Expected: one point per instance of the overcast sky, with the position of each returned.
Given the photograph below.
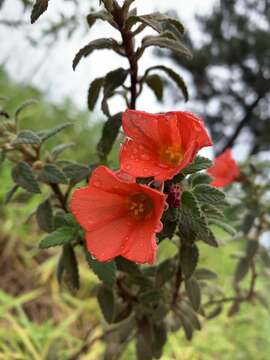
(51, 70)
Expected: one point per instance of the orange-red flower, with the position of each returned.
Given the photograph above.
(119, 217)
(161, 145)
(225, 170)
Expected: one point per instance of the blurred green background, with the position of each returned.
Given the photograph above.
(40, 321)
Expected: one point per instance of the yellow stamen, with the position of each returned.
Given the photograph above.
(171, 155)
(139, 206)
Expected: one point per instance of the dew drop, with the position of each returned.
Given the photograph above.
(97, 183)
(145, 157)
(127, 167)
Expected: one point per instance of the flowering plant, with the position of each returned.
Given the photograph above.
(162, 197)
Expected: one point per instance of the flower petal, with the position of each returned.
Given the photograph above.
(107, 241)
(93, 207)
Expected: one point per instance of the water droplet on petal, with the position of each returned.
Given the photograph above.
(127, 167)
(145, 157)
(97, 183)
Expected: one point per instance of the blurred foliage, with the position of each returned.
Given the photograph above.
(230, 72)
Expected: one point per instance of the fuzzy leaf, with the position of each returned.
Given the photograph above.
(61, 236)
(163, 42)
(93, 92)
(98, 44)
(208, 194)
(106, 272)
(27, 137)
(44, 216)
(77, 172)
(50, 133)
(194, 293)
(109, 135)
(23, 176)
(179, 81)
(189, 256)
(155, 83)
(39, 8)
(50, 173)
(106, 302)
(198, 164)
(67, 270)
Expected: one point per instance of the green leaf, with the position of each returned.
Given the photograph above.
(159, 338)
(112, 81)
(199, 178)
(100, 15)
(27, 137)
(208, 194)
(109, 134)
(50, 133)
(179, 81)
(67, 270)
(98, 44)
(105, 271)
(198, 164)
(193, 292)
(241, 269)
(189, 257)
(39, 8)
(205, 274)
(127, 266)
(224, 226)
(61, 236)
(157, 21)
(106, 302)
(77, 172)
(44, 216)
(59, 149)
(93, 92)
(252, 248)
(50, 173)
(163, 42)
(144, 340)
(9, 194)
(23, 176)
(189, 203)
(155, 83)
(186, 324)
(165, 272)
(150, 296)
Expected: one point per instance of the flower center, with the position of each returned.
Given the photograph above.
(140, 206)
(171, 155)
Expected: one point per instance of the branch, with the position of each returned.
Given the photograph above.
(230, 142)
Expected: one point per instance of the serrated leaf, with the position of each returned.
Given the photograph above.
(23, 176)
(27, 137)
(193, 292)
(190, 314)
(208, 194)
(51, 174)
(198, 164)
(189, 203)
(106, 272)
(44, 216)
(179, 81)
(106, 302)
(163, 42)
(93, 92)
(39, 8)
(165, 272)
(77, 172)
(155, 83)
(98, 44)
(224, 226)
(189, 257)
(186, 324)
(67, 269)
(23, 106)
(199, 178)
(50, 133)
(109, 134)
(127, 266)
(61, 236)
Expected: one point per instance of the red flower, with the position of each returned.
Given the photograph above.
(161, 145)
(119, 217)
(225, 170)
